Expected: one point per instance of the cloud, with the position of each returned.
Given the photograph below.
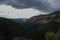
(10, 12)
(41, 5)
(54, 4)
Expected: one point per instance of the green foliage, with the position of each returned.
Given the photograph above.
(21, 38)
(53, 36)
(49, 35)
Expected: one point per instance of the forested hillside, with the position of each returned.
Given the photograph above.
(41, 27)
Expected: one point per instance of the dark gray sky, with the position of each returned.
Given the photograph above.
(41, 5)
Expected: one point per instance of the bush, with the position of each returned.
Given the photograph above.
(52, 36)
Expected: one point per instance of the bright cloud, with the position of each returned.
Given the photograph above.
(10, 12)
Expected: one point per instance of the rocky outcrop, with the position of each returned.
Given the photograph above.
(44, 19)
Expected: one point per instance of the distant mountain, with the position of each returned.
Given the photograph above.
(21, 20)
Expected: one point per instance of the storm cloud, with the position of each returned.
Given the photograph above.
(41, 5)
